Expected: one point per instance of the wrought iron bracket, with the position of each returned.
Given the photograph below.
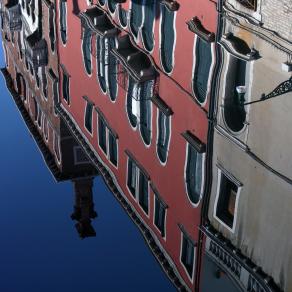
(283, 88)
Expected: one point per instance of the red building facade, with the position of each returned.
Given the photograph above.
(137, 95)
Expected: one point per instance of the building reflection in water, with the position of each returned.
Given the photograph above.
(167, 102)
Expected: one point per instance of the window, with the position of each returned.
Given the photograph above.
(57, 146)
(136, 17)
(159, 215)
(132, 102)
(123, 16)
(132, 177)
(52, 32)
(107, 139)
(79, 156)
(148, 25)
(187, 254)
(226, 199)
(102, 134)
(44, 82)
(143, 192)
(21, 85)
(86, 49)
(146, 90)
(46, 128)
(137, 183)
(234, 113)
(112, 70)
(167, 38)
(88, 116)
(63, 21)
(113, 151)
(39, 117)
(112, 5)
(163, 130)
(66, 86)
(100, 62)
(203, 61)
(194, 173)
(250, 4)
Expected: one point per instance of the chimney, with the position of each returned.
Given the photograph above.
(84, 207)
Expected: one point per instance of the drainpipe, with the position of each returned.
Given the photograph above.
(209, 151)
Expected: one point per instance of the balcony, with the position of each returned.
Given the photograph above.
(196, 27)
(137, 63)
(36, 50)
(238, 47)
(13, 15)
(96, 20)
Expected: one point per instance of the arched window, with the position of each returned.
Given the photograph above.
(100, 62)
(86, 50)
(194, 171)
(146, 111)
(52, 33)
(167, 41)
(63, 21)
(203, 61)
(163, 136)
(112, 70)
(234, 113)
(136, 17)
(132, 102)
(148, 25)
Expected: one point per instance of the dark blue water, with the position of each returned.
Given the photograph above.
(40, 250)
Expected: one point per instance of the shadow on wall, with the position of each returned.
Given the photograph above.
(214, 278)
